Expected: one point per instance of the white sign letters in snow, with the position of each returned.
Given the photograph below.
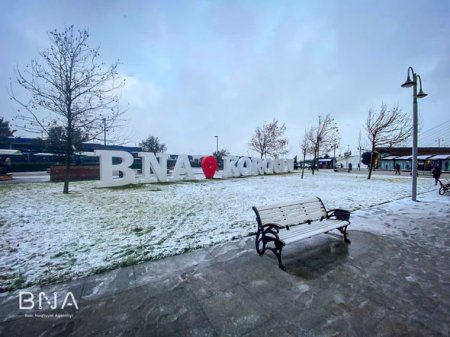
(245, 166)
(154, 167)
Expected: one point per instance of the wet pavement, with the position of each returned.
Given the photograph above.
(383, 284)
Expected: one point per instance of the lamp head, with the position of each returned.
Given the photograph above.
(408, 83)
(421, 94)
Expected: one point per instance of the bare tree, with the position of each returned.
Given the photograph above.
(269, 140)
(386, 128)
(323, 137)
(68, 87)
(305, 147)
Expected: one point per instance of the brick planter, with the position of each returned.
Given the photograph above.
(77, 173)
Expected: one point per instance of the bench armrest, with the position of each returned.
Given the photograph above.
(339, 214)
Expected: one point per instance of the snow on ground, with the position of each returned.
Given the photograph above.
(46, 236)
(406, 219)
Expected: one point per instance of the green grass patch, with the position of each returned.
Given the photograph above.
(126, 187)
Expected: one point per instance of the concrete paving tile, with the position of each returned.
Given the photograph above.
(204, 329)
(154, 271)
(36, 327)
(207, 281)
(303, 321)
(233, 312)
(402, 325)
(364, 315)
(269, 328)
(251, 266)
(108, 283)
(176, 316)
(436, 320)
(293, 296)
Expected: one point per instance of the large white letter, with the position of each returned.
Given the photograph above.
(257, 166)
(289, 165)
(107, 168)
(151, 168)
(229, 167)
(183, 166)
(278, 165)
(268, 166)
(245, 166)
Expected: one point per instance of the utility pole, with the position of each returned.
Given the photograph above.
(360, 149)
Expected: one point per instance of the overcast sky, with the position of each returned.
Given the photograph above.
(197, 69)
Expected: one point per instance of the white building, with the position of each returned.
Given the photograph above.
(346, 160)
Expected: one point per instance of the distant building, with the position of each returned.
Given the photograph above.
(33, 154)
(427, 158)
(346, 160)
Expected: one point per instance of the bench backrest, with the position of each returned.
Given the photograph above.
(291, 213)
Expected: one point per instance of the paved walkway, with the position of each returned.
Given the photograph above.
(391, 282)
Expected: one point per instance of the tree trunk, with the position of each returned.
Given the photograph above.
(372, 155)
(66, 174)
(303, 166)
(68, 153)
(314, 161)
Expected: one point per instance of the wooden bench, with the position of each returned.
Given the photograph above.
(281, 224)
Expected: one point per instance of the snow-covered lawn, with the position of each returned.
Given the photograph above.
(46, 236)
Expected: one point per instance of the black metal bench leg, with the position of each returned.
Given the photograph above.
(343, 230)
(278, 248)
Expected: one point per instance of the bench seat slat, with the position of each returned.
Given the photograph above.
(304, 231)
(293, 203)
(291, 218)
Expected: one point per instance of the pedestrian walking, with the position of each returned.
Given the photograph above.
(436, 171)
(8, 164)
(397, 169)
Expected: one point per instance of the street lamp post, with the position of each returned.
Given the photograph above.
(217, 145)
(360, 149)
(413, 83)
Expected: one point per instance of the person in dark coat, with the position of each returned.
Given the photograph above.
(436, 171)
(397, 169)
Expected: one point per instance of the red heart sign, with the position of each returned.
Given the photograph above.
(209, 166)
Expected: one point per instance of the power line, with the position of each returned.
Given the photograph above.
(438, 136)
